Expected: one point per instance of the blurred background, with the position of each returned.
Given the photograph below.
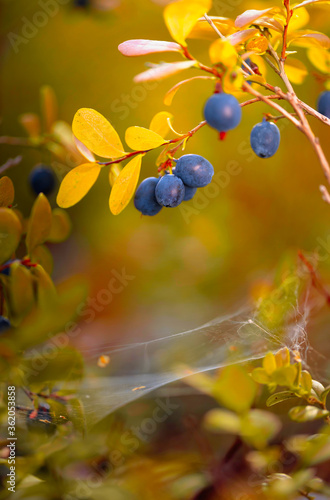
(185, 266)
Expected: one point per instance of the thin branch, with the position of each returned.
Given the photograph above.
(10, 163)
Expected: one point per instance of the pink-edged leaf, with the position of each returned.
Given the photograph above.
(308, 2)
(308, 39)
(84, 151)
(171, 93)
(160, 71)
(249, 16)
(134, 48)
(242, 36)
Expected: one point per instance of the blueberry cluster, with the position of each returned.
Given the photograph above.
(42, 180)
(323, 103)
(191, 172)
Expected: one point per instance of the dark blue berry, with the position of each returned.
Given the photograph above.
(6, 270)
(81, 3)
(189, 192)
(194, 170)
(265, 139)
(4, 324)
(222, 112)
(170, 191)
(145, 199)
(323, 103)
(42, 180)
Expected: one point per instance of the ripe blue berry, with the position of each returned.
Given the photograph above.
(6, 270)
(189, 192)
(194, 170)
(323, 103)
(4, 324)
(170, 191)
(42, 180)
(145, 199)
(222, 112)
(265, 139)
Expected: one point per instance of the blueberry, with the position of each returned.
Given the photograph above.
(323, 103)
(42, 180)
(81, 3)
(6, 270)
(145, 199)
(194, 170)
(265, 139)
(189, 192)
(40, 420)
(170, 191)
(222, 112)
(4, 324)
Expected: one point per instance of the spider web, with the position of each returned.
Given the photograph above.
(137, 369)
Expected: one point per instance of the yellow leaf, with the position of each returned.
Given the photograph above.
(10, 233)
(61, 226)
(327, 84)
(97, 134)
(159, 124)
(125, 185)
(320, 58)
(77, 183)
(299, 19)
(202, 30)
(113, 174)
(171, 93)
(241, 36)
(84, 151)
(39, 223)
(31, 123)
(295, 70)
(41, 255)
(222, 51)
(269, 363)
(233, 81)
(48, 107)
(181, 17)
(21, 290)
(142, 139)
(251, 16)
(308, 38)
(7, 192)
(257, 44)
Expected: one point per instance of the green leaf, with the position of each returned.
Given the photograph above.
(97, 134)
(7, 192)
(77, 183)
(307, 413)
(279, 397)
(306, 381)
(259, 427)
(10, 233)
(61, 226)
(222, 421)
(46, 291)
(39, 223)
(21, 290)
(260, 376)
(325, 394)
(125, 185)
(42, 255)
(235, 389)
